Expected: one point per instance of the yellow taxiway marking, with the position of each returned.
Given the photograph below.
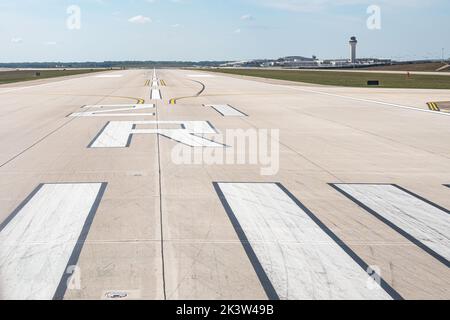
(174, 100)
(433, 106)
(147, 83)
(162, 82)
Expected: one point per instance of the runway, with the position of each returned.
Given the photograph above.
(127, 185)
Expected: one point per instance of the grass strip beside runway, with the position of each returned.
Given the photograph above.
(28, 75)
(346, 79)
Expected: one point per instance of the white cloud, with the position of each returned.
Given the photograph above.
(16, 40)
(247, 17)
(140, 19)
(319, 5)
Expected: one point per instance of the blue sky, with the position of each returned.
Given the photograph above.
(35, 30)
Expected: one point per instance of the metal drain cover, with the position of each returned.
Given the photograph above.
(116, 295)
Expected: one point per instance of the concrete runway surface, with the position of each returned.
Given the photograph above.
(93, 205)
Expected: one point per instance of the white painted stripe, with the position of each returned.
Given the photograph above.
(117, 134)
(200, 76)
(301, 260)
(399, 106)
(156, 94)
(109, 76)
(123, 105)
(227, 110)
(14, 89)
(36, 245)
(421, 220)
(111, 110)
(298, 88)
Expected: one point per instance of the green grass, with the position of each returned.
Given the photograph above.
(428, 67)
(347, 79)
(28, 75)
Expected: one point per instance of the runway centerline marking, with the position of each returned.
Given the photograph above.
(294, 254)
(156, 94)
(422, 222)
(43, 237)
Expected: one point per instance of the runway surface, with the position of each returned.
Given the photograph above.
(96, 204)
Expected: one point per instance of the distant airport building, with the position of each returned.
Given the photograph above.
(353, 42)
(300, 62)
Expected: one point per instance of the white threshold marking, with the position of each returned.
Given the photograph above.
(111, 110)
(118, 134)
(156, 94)
(39, 241)
(420, 221)
(227, 110)
(301, 261)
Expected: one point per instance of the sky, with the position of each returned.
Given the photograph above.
(196, 30)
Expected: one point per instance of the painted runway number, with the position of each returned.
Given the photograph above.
(292, 252)
(118, 134)
(44, 237)
(115, 110)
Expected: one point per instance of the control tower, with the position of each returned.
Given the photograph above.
(353, 42)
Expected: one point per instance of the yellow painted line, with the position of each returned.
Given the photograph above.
(173, 101)
(433, 106)
(163, 83)
(140, 101)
